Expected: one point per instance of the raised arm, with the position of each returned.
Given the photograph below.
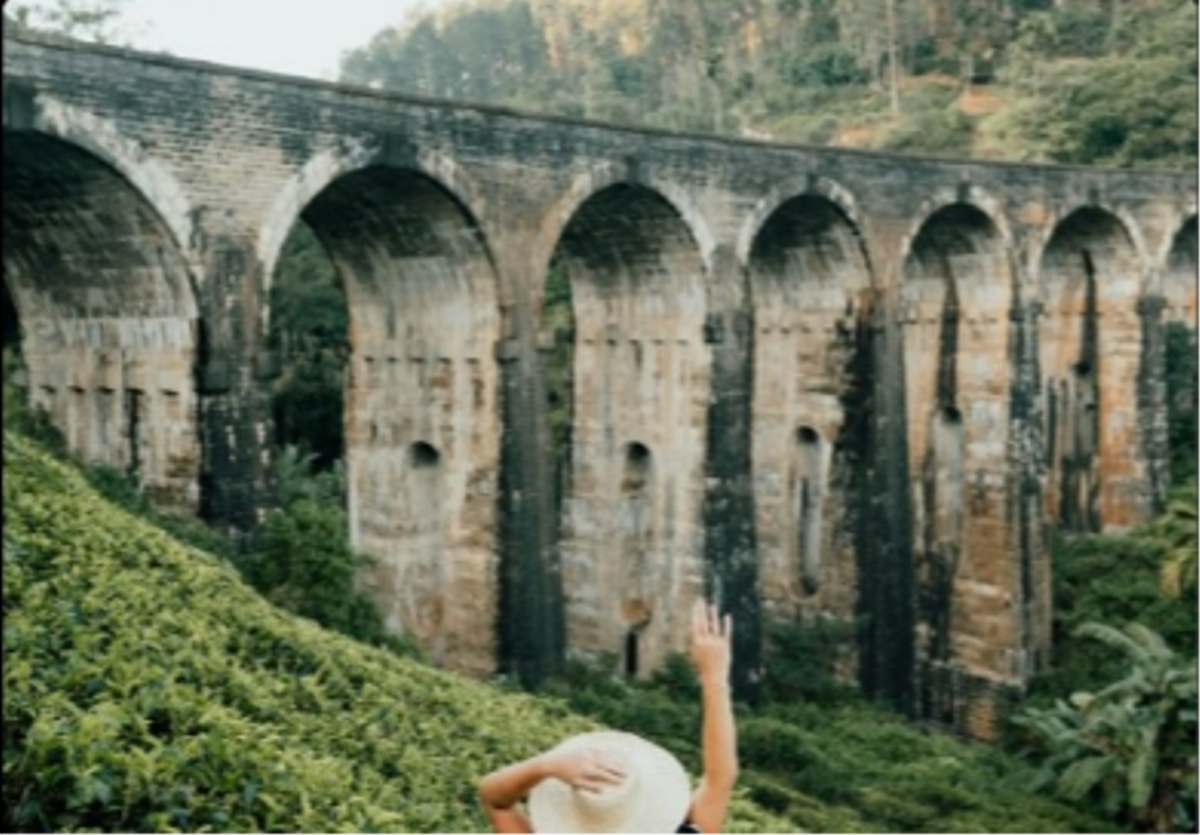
(502, 790)
(711, 654)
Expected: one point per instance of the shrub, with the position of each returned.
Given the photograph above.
(147, 687)
(1130, 747)
(1114, 579)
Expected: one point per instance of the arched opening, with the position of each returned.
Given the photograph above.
(957, 298)
(809, 284)
(309, 333)
(637, 367)
(1089, 344)
(107, 315)
(420, 413)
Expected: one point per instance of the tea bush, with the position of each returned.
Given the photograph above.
(147, 687)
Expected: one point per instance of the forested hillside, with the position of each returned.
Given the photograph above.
(1108, 82)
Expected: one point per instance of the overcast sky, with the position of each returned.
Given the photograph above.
(297, 37)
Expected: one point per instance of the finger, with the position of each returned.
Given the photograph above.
(714, 621)
(728, 624)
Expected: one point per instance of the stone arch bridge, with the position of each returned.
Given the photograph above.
(818, 383)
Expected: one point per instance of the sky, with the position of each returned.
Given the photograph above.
(296, 37)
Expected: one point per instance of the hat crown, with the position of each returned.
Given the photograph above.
(653, 795)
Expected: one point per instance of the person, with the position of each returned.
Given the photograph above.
(609, 781)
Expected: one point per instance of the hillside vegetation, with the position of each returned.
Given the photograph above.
(1102, 82)
(147, 687)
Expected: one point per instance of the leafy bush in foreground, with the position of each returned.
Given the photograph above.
(146, 687)
(1130, 747)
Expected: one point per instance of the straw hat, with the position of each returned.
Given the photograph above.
(653, 797)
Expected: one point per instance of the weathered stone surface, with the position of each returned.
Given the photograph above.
(833, 383)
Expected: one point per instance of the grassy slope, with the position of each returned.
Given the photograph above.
(147, 687)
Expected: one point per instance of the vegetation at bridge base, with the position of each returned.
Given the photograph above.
(147, 687)
(1112, 721)
(1131, 746)
(820, 755)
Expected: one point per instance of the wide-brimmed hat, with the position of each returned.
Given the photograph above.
(653, 797)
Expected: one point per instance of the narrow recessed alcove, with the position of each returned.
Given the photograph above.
(637, 468)
(631, 653)
(809, 495)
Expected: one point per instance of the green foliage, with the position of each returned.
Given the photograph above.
(19, 416)
(1180, 359)
(558, 332)
(825, 65)
(302, 560)
(148, 688)
(90, 20)
(121, 488)
(1115, 580)
(309, 329)
(842, 766)
(1109, 84)
(1134, 106)
(1130, 747)
(1175, 529)
(802, 662)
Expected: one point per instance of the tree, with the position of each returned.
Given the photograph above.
(1131, 746)
(1133, 107)
(90, 20)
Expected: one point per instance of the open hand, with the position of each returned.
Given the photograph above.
(586, 768)
(710, 642)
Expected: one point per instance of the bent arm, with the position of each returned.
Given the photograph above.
(501, 790)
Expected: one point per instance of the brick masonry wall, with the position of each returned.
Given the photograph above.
(831, 382)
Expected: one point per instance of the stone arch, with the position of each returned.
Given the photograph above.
(421, 412)
(1179, 276)
(106, 300)
(102, 139)
(967, 196)
(639, 373)
(1091, 275)
(351, 155)
(809, 283)
(599, 179)
(957, 295)
(791, 189)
